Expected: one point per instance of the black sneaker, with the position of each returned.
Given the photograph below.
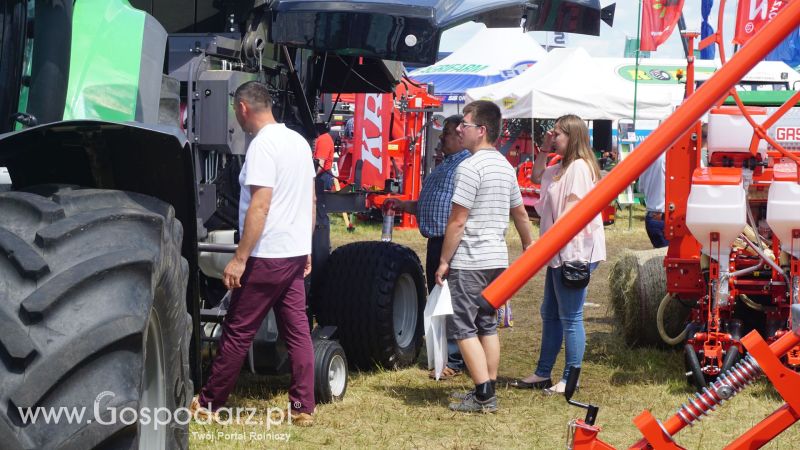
(470, 403)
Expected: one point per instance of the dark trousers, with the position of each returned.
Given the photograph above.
(434, 252)
(327, 180)
(266, 283)
(654, 224)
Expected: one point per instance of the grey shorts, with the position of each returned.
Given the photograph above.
(469, 320)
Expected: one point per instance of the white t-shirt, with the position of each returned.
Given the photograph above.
(486, 185)
(281, 159)
(590, 243)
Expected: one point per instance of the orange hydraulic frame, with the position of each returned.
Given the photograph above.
(764, 359)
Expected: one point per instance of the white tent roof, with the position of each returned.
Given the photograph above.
(570, 81)
(491, 56)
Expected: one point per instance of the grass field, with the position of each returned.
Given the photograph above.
(404, 409)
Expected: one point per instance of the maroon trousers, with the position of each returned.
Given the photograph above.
(266, 283)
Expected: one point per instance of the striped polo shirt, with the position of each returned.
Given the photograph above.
(486, 184)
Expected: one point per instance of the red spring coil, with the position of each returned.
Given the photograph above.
(724, 388)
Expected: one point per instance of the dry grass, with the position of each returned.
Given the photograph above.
(404, 409)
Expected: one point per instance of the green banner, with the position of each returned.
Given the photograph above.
(454, 68)
(652, 74)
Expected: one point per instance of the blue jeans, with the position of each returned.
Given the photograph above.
(454, 359)
(562, 319)
(327, 180)
(655, 231)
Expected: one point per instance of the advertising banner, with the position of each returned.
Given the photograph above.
(659, 18)
(752, 15)
(373, 112)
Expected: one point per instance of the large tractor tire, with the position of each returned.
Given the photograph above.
(374, 293)
(93, 310)
(638, 285)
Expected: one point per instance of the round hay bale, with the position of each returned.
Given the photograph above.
(638, 284)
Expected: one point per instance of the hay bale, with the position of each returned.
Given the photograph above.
(638, 284)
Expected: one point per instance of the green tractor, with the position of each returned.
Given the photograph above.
(123, 154)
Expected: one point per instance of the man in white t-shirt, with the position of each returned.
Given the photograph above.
(276, 218)
(474, 251)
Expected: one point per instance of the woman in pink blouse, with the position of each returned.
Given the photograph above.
(562, 186)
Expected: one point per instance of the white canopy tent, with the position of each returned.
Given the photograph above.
(570, 81)
(490, 56)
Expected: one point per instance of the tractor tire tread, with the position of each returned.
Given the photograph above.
(75, 312)
(51, 292)
(22, 255)
(82, 222)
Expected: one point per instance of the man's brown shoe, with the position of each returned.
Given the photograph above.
(201, 413)
(302, 419)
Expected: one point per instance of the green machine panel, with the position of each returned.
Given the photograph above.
(117, 58)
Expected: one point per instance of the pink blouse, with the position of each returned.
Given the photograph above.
(590, 243)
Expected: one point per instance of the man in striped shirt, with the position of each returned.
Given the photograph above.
(474, 252)
(432, 210)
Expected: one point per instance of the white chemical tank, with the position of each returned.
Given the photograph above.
(783, 214)
(717, 205)
(729, 131)
(213, 264)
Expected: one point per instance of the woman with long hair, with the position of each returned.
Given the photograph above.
(562, 185)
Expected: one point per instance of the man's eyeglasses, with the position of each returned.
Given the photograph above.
(467, 124)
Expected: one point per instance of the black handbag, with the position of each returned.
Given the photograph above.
(575, 274)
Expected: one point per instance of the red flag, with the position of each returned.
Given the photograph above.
(752, 15)
(658, 20)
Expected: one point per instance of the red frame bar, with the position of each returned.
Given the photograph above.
(538, 255)
(784, 380)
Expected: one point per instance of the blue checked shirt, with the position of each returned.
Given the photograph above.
(433, 206)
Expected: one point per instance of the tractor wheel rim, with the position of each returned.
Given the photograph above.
(154, 399)
(405, 311)
(337, 375)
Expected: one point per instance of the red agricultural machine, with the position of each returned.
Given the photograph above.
(719, 258)
(391, 148)
(384, 155)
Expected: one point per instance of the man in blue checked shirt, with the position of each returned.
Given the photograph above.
(432, 211)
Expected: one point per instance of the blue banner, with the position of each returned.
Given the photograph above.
(788, 51)
(706, 30)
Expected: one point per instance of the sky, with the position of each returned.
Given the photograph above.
(611, 42)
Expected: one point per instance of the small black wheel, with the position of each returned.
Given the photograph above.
(330, 371)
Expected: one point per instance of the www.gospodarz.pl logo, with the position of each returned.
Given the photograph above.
(104, 413)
